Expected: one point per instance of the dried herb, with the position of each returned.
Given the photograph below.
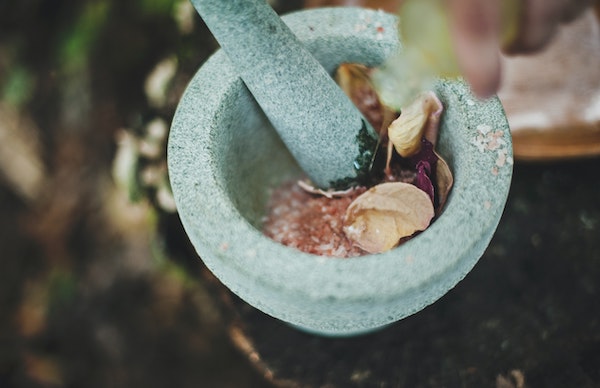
(423, 180)
(386, 213)
(406, 132)
(412, 136)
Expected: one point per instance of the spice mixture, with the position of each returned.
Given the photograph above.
(310, 222)
(406, 192)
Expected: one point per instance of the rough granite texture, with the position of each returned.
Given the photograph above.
(224, 156)
(315, 119)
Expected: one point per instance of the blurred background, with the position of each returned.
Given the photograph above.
(99, 286)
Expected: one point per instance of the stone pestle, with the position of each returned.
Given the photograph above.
(321, 127)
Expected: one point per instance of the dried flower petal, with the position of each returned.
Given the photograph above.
(406, 131)
(439, 173)
(423, 179)
(444, 181)
(433, 121)
(355, 81)
(379, 218)
(426, 153)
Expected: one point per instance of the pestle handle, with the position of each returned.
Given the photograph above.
(324, 131)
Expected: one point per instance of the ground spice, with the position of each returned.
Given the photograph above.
(313, 223)
(309, 222)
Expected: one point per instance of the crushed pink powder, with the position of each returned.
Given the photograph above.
(309, 222)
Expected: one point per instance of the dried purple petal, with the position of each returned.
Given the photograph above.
(423, 179)
(427, 154)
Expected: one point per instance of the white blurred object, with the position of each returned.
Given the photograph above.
(184, 15)
(21, 163)
(158, 80)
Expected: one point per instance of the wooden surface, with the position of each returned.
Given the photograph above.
(575, 141)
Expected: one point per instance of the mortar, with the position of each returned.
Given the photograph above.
(224, 159)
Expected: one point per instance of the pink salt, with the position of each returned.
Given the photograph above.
(309, 222)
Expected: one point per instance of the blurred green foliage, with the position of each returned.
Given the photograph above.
(156, 7)
(78, 41)
(17, 87)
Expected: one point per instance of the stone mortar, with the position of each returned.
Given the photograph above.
(224, 158)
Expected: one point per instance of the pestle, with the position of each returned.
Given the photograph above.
(321, 127)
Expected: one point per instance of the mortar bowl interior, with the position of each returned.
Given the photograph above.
(225, 158)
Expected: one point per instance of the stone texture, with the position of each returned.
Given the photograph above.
(224, 156)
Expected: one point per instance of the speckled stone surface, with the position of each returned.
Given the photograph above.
(224, 157)
(319, 124)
